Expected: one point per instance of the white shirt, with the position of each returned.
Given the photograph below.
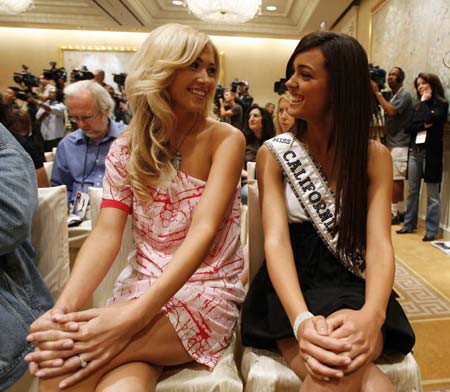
(53, 125)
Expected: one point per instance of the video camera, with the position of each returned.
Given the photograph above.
(54, 73)
(220, 91)
(82, 73)
(378, 75)
(119, 79)
(26, 78)
(234, 86)
(279, 86)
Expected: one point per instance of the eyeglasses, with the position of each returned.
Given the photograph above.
(83, 118)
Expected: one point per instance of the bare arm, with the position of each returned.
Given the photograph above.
(364, 326)
(94, 259)
(390, 109)
(42, 178)
(277, 246)
(379, 254)
(313, 339)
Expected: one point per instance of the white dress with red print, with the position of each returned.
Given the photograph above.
(204, 311)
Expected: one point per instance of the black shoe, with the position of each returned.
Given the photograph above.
(396, 220)
(428, 237)
(404, 230)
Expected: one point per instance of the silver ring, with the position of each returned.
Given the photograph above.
(306, 358)
(83, 363)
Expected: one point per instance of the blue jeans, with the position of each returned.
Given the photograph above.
(416, 169)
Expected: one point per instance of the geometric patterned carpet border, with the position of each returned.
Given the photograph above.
(423, 303)
(417, 297)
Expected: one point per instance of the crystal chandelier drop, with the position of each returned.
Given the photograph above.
(14, 7)
(224, 11)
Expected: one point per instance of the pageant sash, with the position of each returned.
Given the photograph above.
(313, 193)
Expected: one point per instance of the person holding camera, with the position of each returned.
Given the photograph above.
(51, 117)
(44, 88)
(244, 99)
(397, 112)
(230, 111)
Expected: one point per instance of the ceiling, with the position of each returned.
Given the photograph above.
(292, 18)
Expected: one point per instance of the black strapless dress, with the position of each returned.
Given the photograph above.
(327, 286)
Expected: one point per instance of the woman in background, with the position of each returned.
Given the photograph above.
(284, 121)
(426, 154)
(176, 171)
(258, 129)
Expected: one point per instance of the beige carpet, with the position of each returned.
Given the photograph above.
(423, 284)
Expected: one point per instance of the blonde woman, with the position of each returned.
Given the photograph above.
(176, 171)
(284, 121)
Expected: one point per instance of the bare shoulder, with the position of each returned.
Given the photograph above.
(379, 157)
(378, 151)
(220, 132)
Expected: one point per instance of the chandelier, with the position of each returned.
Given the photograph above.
(14, 7)
(224, 11)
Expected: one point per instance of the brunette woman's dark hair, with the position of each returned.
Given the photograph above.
(350, 92)
(268, 130)
(437, 90)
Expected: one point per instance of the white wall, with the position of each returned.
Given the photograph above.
(260, 61)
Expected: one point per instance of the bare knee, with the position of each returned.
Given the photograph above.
(130, 377)
(375, 380)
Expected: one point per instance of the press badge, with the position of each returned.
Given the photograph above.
(81, 204)
(421, 136)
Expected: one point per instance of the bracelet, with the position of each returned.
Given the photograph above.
(299, 319)
(379, 93)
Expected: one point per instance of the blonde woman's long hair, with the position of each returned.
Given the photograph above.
(167, 49)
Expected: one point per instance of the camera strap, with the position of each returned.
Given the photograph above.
(313, 193)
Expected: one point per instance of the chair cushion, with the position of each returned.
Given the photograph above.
(267, 371)
(224, 377)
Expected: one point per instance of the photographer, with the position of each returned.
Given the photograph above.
(398, 111)
(51, 116)
(230, 111)
(245, 99)
(44, 88)
(10, 98)
(27, 82)
(121, 112)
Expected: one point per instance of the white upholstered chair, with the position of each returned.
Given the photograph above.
(50, 239)
(266, 370)
(49, 156)
(225, 376)
(48, 166)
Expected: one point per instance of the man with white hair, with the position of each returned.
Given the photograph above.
(80, 157)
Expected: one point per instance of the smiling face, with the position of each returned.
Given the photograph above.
(423, 86)
(285, 120)
(255, 121)
(193, 86)
(309, 87)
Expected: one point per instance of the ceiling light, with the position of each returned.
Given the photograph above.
(14, 7)
(177, 2)
(271, 8)
(224, 11)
